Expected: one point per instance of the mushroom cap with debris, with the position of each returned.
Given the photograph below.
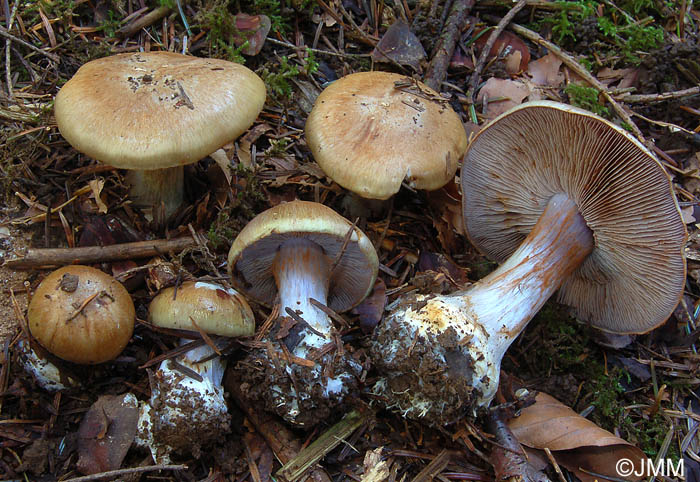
(214, 309)
(371, 131)
(82, 315)
(252, 253)
(634, 277)
(154, 110)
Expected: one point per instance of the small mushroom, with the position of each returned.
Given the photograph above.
(187, 409)
(566, 201)
(154, 112)
(302, 256)
(372, 131)
(79, 314)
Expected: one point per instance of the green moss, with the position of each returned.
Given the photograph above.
(586, 98)
(277, 78)
(622, 36)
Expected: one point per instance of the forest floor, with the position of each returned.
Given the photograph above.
(634, 62)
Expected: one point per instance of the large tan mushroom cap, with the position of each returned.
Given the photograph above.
(369, 135)
(253, 252)
(82, 315)
(634, 277)
(215, 309)
(157, 110)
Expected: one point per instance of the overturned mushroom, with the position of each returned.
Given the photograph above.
(187, 409)
(154, 112)
(565, 200)
(303, 256)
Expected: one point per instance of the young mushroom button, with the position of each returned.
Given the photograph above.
(566, 201)
(154, 112)
(301, 255)
(188, 411)
(82, 315)
(371, 131)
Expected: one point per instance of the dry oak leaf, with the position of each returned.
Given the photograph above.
(508, 92)
(576, 442)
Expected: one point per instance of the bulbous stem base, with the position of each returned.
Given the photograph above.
(440, 356)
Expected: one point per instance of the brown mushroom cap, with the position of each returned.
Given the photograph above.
(253, 252)
(369, 136)
(215, 309)
(156, 110)
(82, 315)
(634, 277)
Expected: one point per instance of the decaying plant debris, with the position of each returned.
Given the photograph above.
(635, 62)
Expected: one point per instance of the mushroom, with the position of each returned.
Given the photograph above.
(372, 131)
(566, 201)
(302, 256)
(154, 112)
(79, 314)
(187, 408)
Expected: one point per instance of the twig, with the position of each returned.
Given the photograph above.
(571, 63)
(132, 470)
(316, 51)
(35, 258)
(651, 98)
(142, 22)
(437, 69)
(554, 463)
(484, 55)
(9, 36)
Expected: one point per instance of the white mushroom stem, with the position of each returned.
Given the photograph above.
(184, 411)
(484, 319)
(150, 188)
(508, 298)
(302, 272)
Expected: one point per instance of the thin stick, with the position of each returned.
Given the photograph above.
(437, 69)
(132, 470)
(484, 55)
(142, 22)
(571, 62)
(9, 36)
(650, 98)
(36, 258)
(554, 463)
(316, 51)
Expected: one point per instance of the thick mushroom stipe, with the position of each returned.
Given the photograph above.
(187, 410)
(180, 404)
(458, 340)
(286, 256)
(150, 188)
(302, 272)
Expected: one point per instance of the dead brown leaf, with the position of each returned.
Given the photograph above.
(508, 93)
(106, 433)
(545, 71)
(575, 442)
(399, 45)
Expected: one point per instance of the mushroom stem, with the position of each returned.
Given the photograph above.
(556, 246)
(441, 355)
(302, 271)
(182, 404)
(150, 188)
